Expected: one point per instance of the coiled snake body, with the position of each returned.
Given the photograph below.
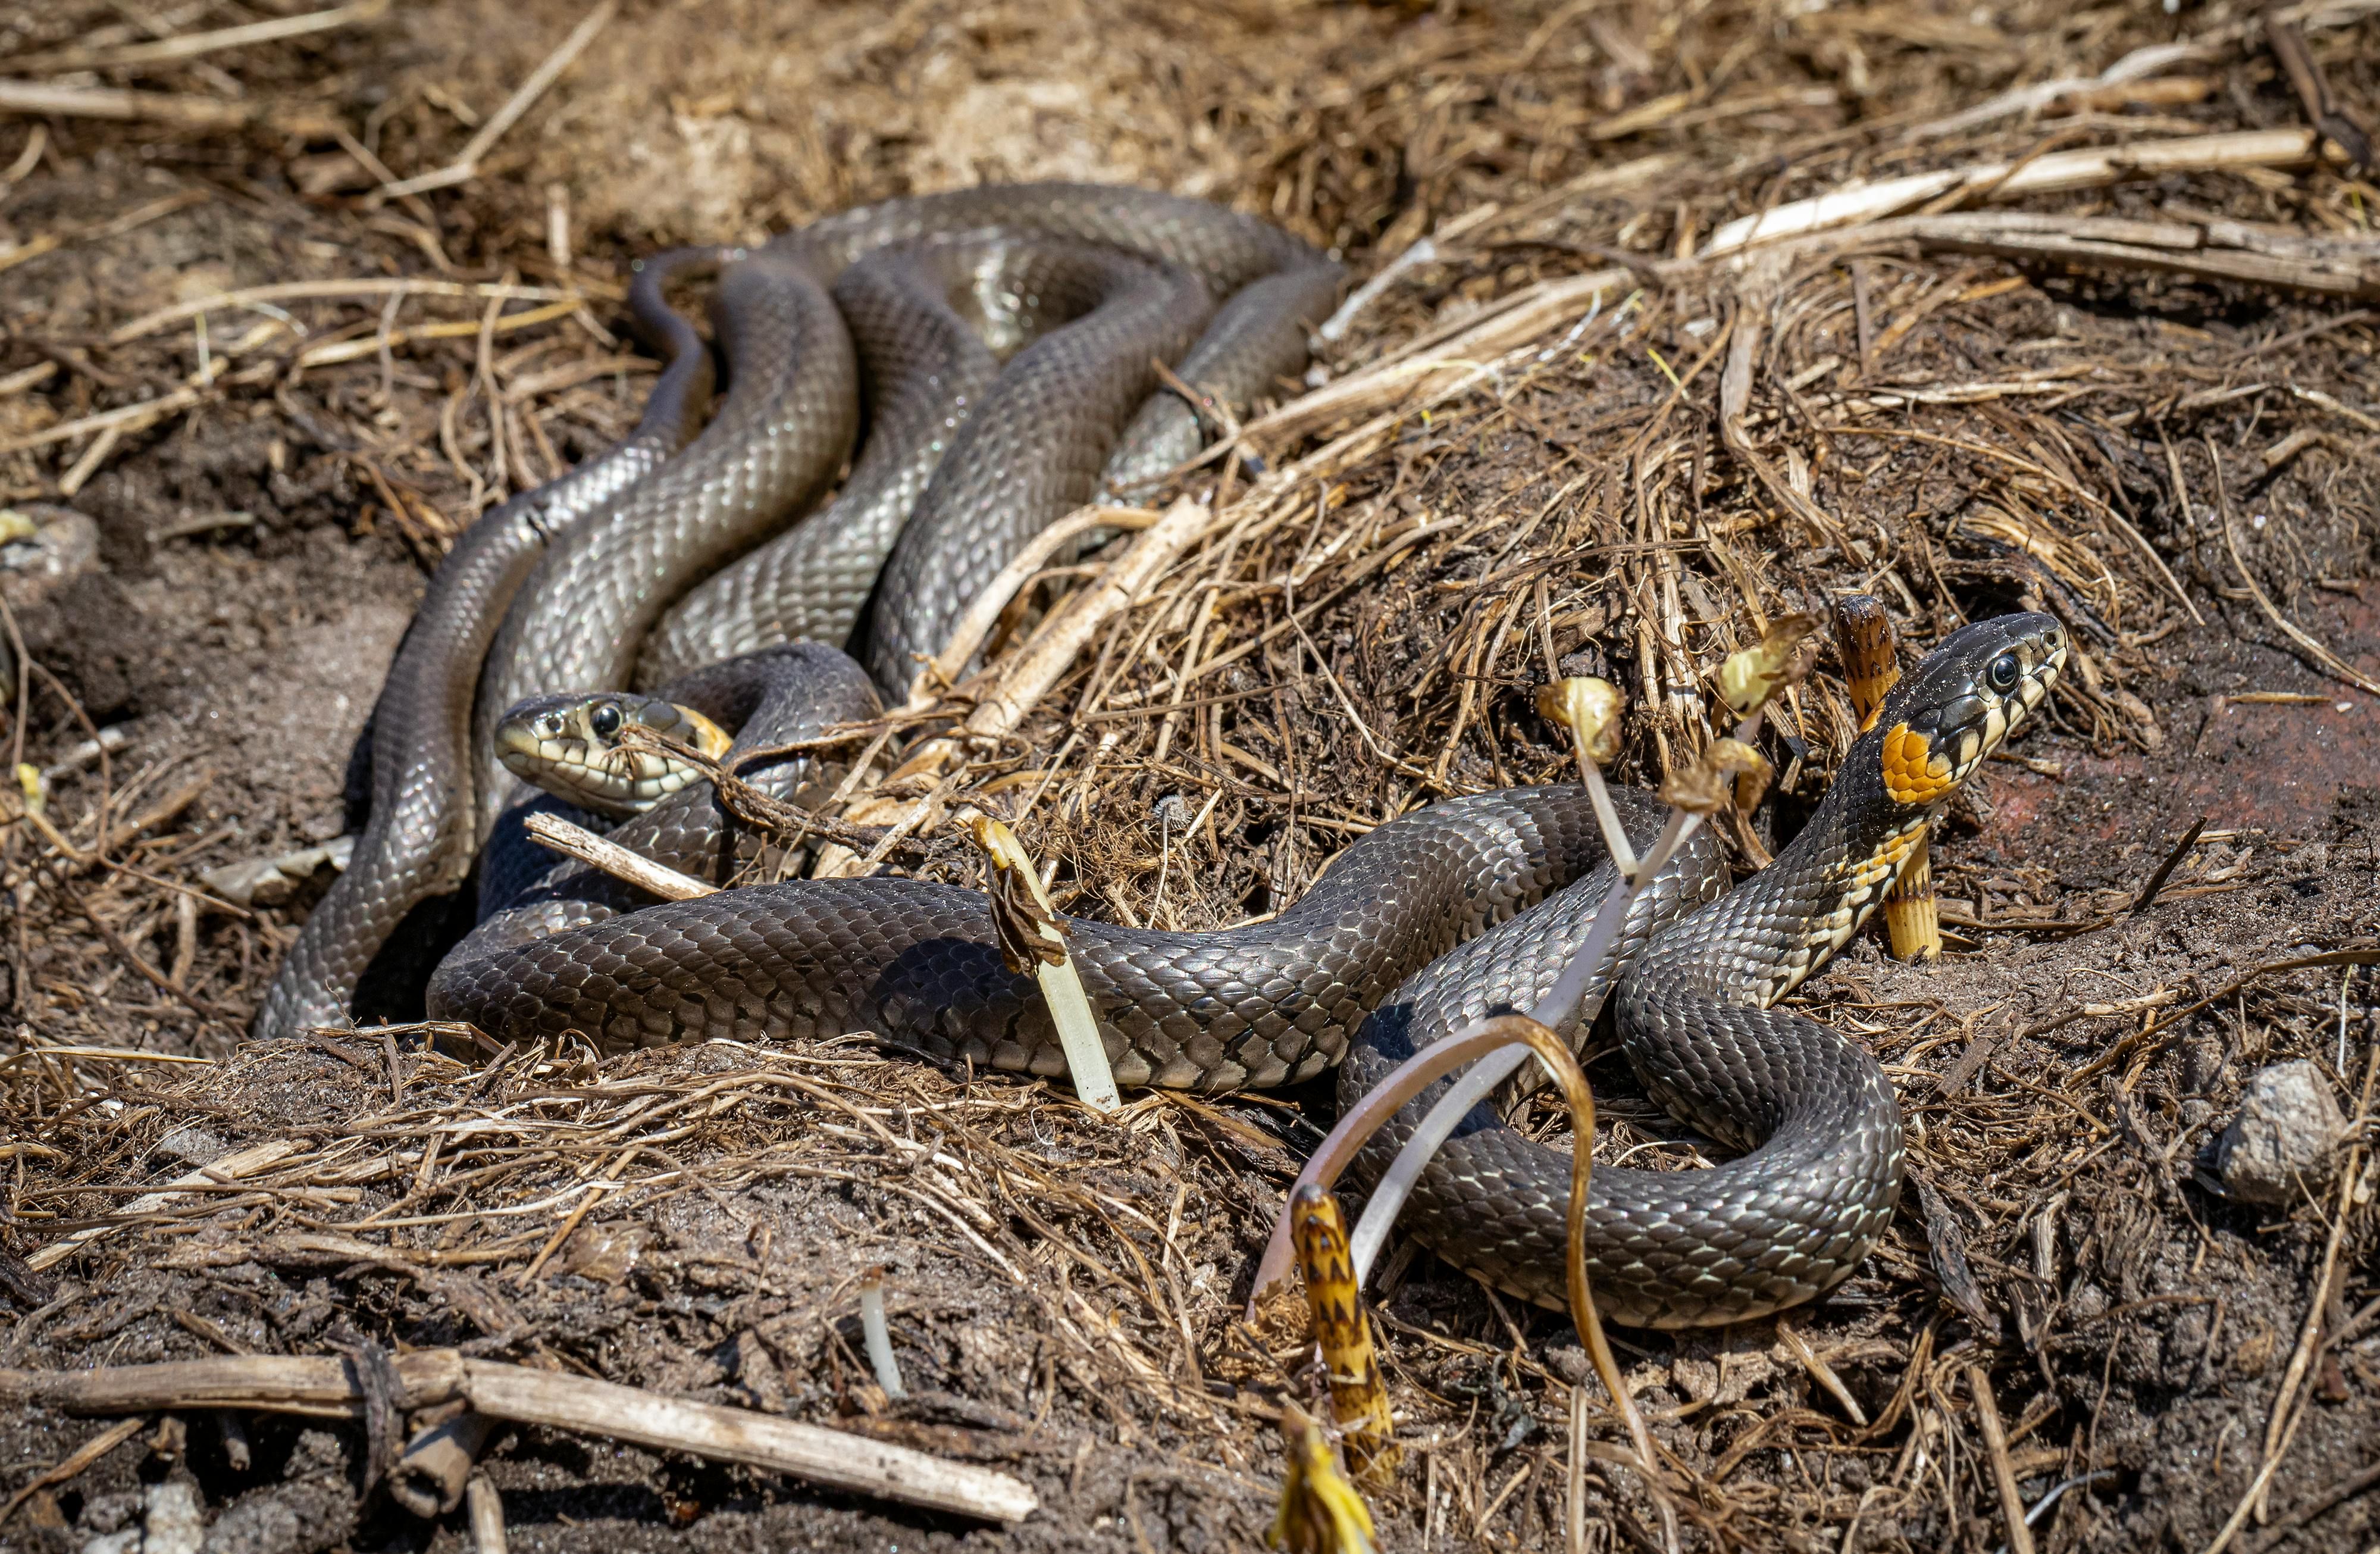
(1470, 906)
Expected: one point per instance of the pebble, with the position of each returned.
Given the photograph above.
(2283, 1145)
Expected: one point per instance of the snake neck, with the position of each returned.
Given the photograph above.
(1764, 937)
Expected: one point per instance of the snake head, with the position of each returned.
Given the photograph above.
(571, 745)
(1966, 698)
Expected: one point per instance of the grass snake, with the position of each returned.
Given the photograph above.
(997, 343)
(1469, 907)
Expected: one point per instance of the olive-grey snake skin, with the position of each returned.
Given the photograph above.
(1467, 907)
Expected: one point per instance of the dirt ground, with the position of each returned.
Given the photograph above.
(2177, 462)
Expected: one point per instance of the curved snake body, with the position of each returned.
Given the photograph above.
(422, 830)
(1514, 880)
(579, 572)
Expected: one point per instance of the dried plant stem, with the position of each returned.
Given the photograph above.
(107, 423)
(2322, 654)
(2282, 1427)
(429, 1479)
(1053, 965)
(1023, 680)
(977, 622)
(2092, 169)
(465, 165)
(877, 1332)
(325, 1386)
(68, 1467)
(1431, 370)
(1334, 1298)
(1988, 1418)
(328, 290)
(187, 110)
(190, 46)
(487, 1516)
(574, 840)
(231, 1167)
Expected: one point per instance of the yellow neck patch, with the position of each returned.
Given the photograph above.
(707, 737)
(1912, 773)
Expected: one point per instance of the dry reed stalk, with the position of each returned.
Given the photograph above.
(188, 111)
(1023, 680)
(466, 166)
(2061, 172)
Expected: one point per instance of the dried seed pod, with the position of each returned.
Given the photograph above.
(1871, 659)
(1783, 659)
(1358, 1398)
(1321, 1512)
(1730, 771)
(1589, 708)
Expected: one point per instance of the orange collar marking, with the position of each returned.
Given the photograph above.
(1912, 773)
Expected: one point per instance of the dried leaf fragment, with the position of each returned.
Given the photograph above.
(1032, 939)
(1589, 708)
(1730, 771)
(1782, 658)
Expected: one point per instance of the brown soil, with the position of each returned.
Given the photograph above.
(1979, 436)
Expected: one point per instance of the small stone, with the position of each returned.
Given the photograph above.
(176, 1523)
(2284, 1143)
(195, 1146)
(1570, 1362)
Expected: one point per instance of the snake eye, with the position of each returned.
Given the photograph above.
(2002, 675)
(605, 720)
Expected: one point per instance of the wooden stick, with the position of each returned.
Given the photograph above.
(1872, 664)
(1987, 1415)
(2061, 171)
(577, 841)
(319, 1385)
(187, 109)
(190, 45)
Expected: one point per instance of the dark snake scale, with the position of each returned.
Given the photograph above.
(1468, 906)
